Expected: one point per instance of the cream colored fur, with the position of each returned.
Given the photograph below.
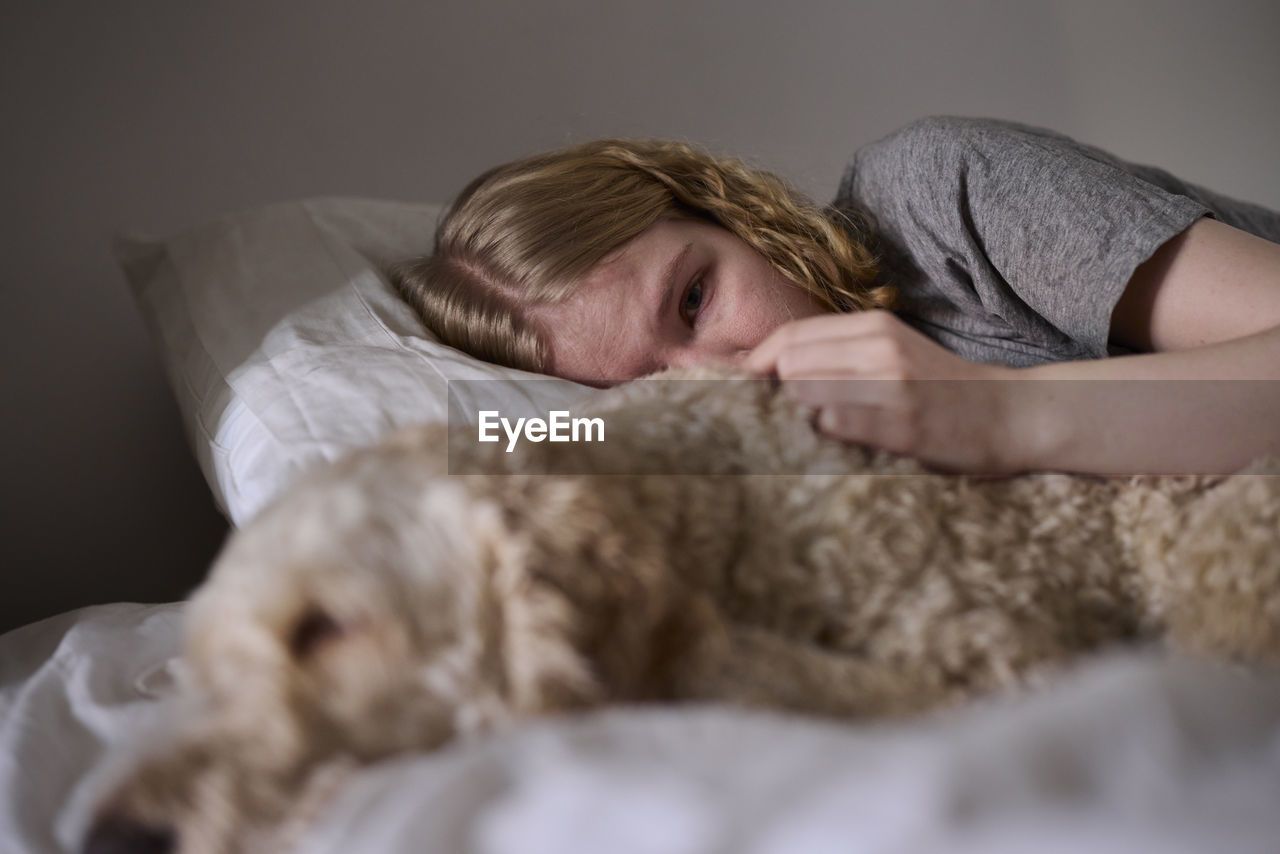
(383, 606)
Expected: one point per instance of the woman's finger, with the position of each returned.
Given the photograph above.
(764, 358)
(851, 390)
(861, 355)
(877, 426)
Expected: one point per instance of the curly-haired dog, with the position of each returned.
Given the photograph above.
(382, 606)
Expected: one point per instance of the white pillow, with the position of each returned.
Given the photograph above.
(285, 343)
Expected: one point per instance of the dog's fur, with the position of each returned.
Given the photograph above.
(383, 606)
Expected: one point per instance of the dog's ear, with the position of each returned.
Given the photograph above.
(569, 590)
(541, 638)
(521, 631)
(591, 607)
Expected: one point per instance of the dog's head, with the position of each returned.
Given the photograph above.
(376, 609)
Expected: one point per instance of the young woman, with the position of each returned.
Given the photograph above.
(963, 265)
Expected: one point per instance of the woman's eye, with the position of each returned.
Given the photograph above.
(692, 301)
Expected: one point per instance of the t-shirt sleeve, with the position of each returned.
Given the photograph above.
(1037, 231)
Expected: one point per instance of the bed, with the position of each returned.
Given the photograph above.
(285, 345)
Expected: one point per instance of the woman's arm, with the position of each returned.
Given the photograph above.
(1207, 410)
(1209, 401)
(1209, 284)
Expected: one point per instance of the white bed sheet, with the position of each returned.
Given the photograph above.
(1128, 755)
(70, 686)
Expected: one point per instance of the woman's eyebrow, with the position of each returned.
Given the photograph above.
(668, 282)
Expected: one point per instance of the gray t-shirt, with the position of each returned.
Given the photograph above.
(1012, 244)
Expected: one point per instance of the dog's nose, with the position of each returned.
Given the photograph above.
(115, 834)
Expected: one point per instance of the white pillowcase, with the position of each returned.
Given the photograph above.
(285, 343)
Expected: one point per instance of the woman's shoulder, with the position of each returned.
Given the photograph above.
(927, 181)
(930, 132)
(1015, 234)
(980, 168)
(937, 149)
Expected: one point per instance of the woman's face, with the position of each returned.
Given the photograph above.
(681, 293)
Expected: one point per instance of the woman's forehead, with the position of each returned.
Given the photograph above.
(607, 326)
(595, 340)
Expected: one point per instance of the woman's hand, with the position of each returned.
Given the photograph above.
(873, 379)
(1206, 402)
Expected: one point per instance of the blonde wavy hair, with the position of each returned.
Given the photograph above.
(526, 232)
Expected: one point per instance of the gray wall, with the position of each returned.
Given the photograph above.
(160, 114)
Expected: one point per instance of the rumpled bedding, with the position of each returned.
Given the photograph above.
(1128, 754)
